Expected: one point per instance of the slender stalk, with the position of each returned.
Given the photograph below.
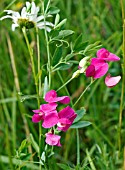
(38, 53)
(64, 85)
(84, 92)
(32, 61)
(17, 85)
(78, 147)
(39, 93)
(47, 45)
(123, 80)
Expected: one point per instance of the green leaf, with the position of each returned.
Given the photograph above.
(69, 56)
(57, 19)
(46, 86)
(64, 34)
(61, 23)
(92, 46)
(63, 166)
(63, 66)
(53, 10)
(81, 46)
(23, 145)
(80, 114)
(34, 144)
(57, 55)
(80, 124)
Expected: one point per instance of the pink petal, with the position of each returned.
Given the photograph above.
(48, 107)
(36, 111)
(97, 62)
(102, 53)
(50, 120)
(112, 57)
(106, 55)
(37, 118)
(90, 71)
(112, 81)
(63, 124)
(51, 97)
(101, 71)
(52, 139)
(66, 112)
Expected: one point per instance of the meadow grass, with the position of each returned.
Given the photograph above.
(99, 143)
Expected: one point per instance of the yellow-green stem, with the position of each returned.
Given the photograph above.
(123, 80)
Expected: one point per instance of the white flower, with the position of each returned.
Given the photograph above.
(28, 18)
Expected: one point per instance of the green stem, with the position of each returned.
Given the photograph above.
(32, 61)
(78, 147)
(38, 53)
(47, 45)
(123, 80)
(64, 84)
(39, 93)
(84, 92)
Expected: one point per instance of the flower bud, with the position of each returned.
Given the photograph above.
(84, 61)
(76, 74)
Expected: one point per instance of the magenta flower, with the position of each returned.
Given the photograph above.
(52, 139)
(47, 113)
(66, 118)
(51, 97)
(112, 81)
(97, 68)
(106, 55)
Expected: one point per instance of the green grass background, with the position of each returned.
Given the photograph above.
(96, 20)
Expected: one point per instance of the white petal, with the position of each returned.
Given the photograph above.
(28, 5)
(14, 26)
(16, 14)
(7, 16)
(24, 13)
(44, 23)
(39, 18)
(44, 27)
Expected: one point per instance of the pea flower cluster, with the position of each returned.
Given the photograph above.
(50, 117)
(28, 18)
(99, 67)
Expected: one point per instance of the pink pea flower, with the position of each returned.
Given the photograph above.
(51, 97)
(52, 139)
(106, 55)
(47, 113)
(66, 118)
(97, 68)
(112, 81)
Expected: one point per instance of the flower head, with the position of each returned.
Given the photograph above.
(51, 97)
(52, 139)
(99, 67)
(28, 18)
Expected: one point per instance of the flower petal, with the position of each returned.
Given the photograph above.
(112, 57)
(102, 53)
(101, 71)
(112, 81)
(37, 118)
(51, 97)
(90, 71)
(50, 120)
(48, 107)
(67, 112)
(97, 62)
(52, 139)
